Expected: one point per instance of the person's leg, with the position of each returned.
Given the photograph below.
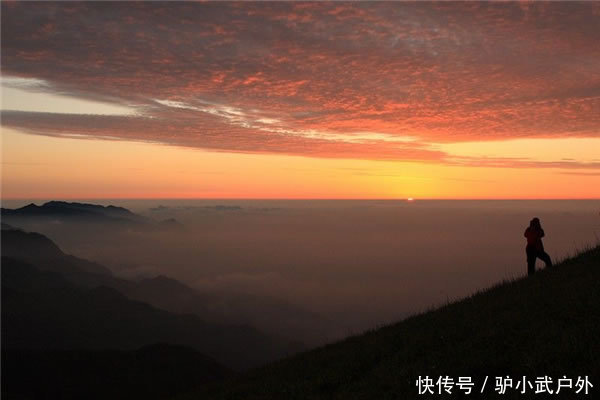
(545, 258)
(530, 261)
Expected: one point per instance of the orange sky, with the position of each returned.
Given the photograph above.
(301, 100)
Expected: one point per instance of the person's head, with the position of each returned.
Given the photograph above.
(535, 222)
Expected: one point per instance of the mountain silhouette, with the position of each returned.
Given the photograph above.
(278, 317)
(63, 209)
(34, 268)
(42, 310)
(73, 212)
(38, 249)
(31, 260)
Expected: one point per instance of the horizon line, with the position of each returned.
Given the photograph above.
(306, 198)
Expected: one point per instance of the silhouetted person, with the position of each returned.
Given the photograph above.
(535, 248)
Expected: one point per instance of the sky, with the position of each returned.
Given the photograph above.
(300, 100)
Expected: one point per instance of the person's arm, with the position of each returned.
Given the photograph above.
(541, 233)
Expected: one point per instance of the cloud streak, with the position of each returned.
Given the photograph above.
(353, 80)
(203, 130)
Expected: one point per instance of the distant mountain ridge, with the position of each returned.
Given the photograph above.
(36, 248)
(65, 209)
(31, 261)
(275, 316)
(87, 213)
(42, 310)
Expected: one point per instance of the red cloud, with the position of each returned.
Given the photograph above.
(437, 72)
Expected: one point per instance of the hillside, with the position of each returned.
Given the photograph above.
(44, 311)
(163, 292)
(37, 249)
(544, 325)
(273, 316)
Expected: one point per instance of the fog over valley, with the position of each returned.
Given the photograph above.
(316, 271)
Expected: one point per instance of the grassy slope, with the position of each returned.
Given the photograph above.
(548, 324)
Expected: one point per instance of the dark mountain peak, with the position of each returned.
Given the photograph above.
(74, 211)
(65, 204)
(20, 244)
(36, 248)
(29, 209)
(118, 209)
(110, 209)
(51, 208)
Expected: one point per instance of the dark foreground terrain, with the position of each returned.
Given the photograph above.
(151, 372)
(546, 325)
(71, 330)
(68, 331)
